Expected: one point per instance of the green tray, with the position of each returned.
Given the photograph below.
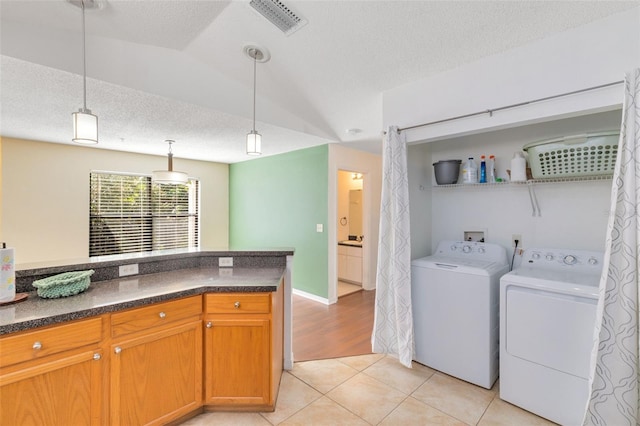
(63, 285)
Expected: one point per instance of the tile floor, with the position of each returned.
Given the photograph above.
(345, 288)
(376, 390)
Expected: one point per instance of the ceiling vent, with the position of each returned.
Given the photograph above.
(280, 15)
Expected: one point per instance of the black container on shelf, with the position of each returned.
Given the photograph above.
(447, 171)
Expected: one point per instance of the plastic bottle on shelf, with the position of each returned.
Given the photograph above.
(518, 167)
(483, 169)
(470, 171)
(491, 166)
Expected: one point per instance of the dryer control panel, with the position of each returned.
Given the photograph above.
(577, 260)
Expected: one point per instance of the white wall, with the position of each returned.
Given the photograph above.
(574, 214)
(45, 196)
(370, 165)
(420, 177)
(590, 55)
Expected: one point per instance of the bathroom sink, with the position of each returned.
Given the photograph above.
(351, 243)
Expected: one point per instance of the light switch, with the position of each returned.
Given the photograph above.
(319, 227)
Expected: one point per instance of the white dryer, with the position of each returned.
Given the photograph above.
(547, 318)
(455, 295)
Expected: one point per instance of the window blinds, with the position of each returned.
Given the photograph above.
(129, 214)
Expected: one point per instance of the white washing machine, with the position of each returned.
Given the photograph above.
(455, 295)
(547, 318)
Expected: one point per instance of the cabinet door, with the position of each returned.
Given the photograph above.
(354, 269)
(342, 267)
(157, 377)
(62, 390)
(238, 362)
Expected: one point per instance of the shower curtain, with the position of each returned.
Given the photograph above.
(615, 360)
(393, 321)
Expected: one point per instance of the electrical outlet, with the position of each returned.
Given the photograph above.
(319, 227)
(125, 270)
(225, 262)
(515, 237)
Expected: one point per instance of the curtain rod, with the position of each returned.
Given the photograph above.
(491, 111)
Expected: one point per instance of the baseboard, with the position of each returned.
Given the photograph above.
(310, 296)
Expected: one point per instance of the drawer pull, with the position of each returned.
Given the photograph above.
(118, 349)
(236, 305)
(97, 357)
(37, 345)
(209, 324)
(162, 315)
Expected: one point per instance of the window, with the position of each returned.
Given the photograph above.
(129, 214)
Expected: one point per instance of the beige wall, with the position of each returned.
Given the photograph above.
(345, 184)
(45, 196)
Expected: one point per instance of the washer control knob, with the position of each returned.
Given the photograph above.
(466, 249)
(569, 260)
(549, 257)
(535, 256)
(453, 248)
(481, 250)
(593, 261)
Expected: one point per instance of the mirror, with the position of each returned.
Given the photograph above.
(355, 212)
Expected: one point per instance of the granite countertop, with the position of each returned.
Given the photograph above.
(350, 243)
(128, 292)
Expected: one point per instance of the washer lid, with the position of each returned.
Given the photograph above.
(458, 265)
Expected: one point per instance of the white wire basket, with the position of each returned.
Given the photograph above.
(591, 154)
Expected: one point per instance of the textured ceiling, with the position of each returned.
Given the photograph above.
(175, 69)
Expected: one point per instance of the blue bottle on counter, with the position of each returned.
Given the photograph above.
(483, 170)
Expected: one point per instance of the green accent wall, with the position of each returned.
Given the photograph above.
(277, 201)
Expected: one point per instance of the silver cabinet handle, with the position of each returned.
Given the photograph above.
(209, 324)
(236, 305)
(162, 315)
(97, 357)
(117, 349)
(37, 345)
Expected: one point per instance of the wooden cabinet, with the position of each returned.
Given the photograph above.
(53, 375)
(350, 263)
(156, 362)
(243, 350)
(146, 365)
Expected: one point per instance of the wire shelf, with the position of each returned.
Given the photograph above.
(528, 182)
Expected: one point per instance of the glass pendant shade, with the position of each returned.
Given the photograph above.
(85, 127)
(254, 143)
(169, 176)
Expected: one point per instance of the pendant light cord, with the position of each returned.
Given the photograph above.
(255, 54)
(84, 61)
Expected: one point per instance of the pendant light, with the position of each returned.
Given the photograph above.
(254, 139)
(169, 176)
(85, 124)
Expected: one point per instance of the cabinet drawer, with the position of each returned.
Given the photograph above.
(155, 315)
(244, 303)
(40, 343)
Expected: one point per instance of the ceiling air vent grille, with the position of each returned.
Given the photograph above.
(279, 15)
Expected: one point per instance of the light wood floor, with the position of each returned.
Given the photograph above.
(333, 331)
